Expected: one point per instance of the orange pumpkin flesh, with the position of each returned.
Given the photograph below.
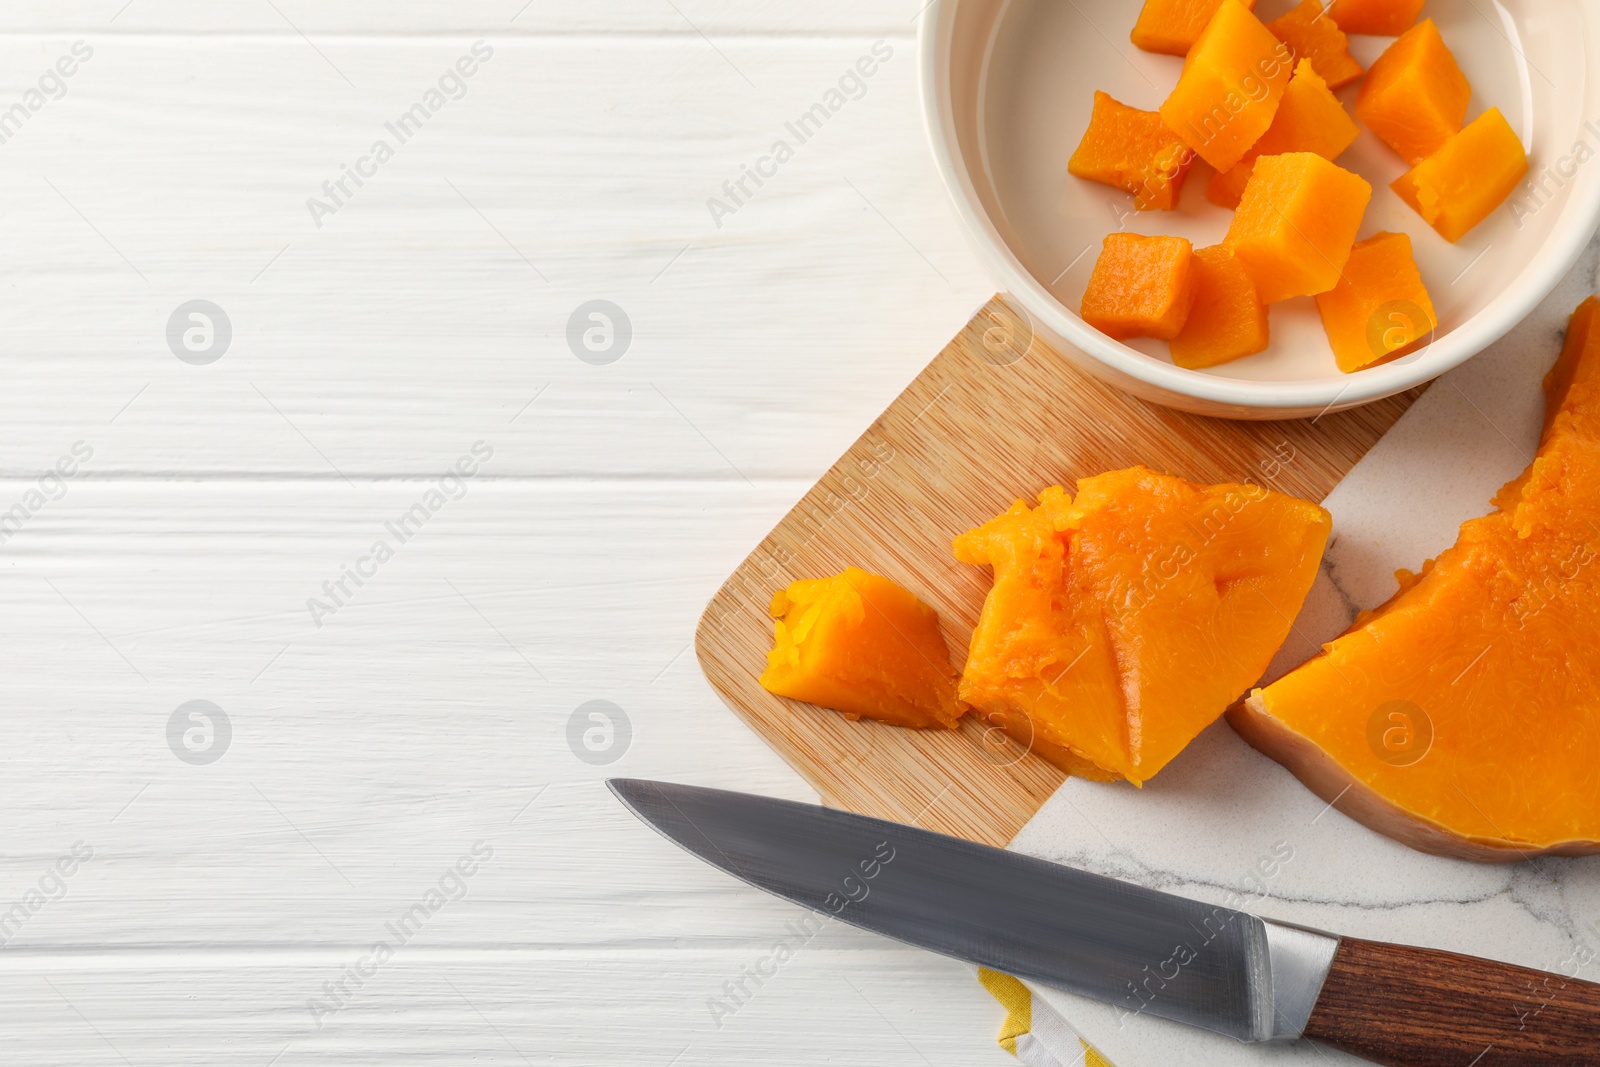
(1230, 86)
(1381, 18)
(1461, 184)
(1463, 716)
(1132, 150)
(1121, 622)
(1296, 224)
(1228, 320)
(1415, 95)
(1140, 286)
(1172, 26)
(1310, 119)
(1311, 34)
(1380, 306)
(860, 644)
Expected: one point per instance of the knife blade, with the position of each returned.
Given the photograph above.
(1142, 951)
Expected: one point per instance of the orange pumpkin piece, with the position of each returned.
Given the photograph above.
(1230, 86)
(1311, 34)
(1381, 18)
(1415, 95)
(1140, 286)
(1132, 150)
(1461, 184)
(1463, 716)
(1121, 622)
(1310, 119)
(1380, 306)
(1172, 26)
(1296, 224)
(861, 644)
(1228, 320)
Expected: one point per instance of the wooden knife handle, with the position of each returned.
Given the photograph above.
(1417, 1007)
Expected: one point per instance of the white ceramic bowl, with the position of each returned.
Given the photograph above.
(1007, 87)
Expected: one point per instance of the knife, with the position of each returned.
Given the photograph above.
(1143, 952)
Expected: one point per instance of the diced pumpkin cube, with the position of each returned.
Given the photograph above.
(1132, 150)
(1380, 306)
(1171, 26)
(1415, 95)
(1228, 319)
(1311, 34)
(1230, 86)
(1458, 186)
(1296, 224)
(1381, 18)
(1140, 286)
(861, 644)
(1310, 119)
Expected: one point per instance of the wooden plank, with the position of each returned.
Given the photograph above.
(322, 18)
(414, 316)
(970, 434)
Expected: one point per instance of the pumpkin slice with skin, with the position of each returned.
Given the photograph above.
(1124, 620)
(1463, 716)
(861, 644)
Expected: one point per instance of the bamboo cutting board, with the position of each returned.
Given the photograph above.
(997, 415)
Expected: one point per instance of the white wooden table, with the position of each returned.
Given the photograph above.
(230, 910)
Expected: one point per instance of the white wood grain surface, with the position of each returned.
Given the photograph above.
(429, 711)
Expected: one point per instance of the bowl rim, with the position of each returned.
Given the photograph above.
(1478, 332)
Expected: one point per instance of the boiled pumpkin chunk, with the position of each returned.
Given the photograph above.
(1229, 88)
(1123, 620)
(1380, 306)
(1132, 150)
(1312, 34)
(1310, 119)
(1172, 26)
(1415, 95)
(1381, 18)
(1463, 716)
(1228, 320)
(1296, 224)
(1461, 184)
(1140, 286)
(861, 644)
